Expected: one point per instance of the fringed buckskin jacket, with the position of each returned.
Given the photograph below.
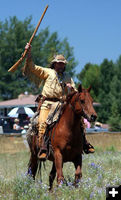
(52, 83)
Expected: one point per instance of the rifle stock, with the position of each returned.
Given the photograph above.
(15, 66)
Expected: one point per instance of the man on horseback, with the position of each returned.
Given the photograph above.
(56, 85)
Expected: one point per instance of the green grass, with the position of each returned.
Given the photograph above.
(101, 169)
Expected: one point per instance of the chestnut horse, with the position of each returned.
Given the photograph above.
(66, 137)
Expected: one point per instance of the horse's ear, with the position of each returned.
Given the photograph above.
(80, 88)
(89, 88)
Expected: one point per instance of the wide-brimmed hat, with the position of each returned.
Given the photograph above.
(16, 120)
(58, 58)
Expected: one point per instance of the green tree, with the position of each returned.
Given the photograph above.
(115, 117)
(89, 76)
(14, 35)
(115, 93)
(107, 71)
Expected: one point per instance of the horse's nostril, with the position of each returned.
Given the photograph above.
(93, 117)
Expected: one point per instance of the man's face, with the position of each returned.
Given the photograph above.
(59, 67)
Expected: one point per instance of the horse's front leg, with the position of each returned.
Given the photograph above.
(52, 176)
(78, 167)
(59, 164)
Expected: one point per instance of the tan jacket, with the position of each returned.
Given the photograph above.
(49, 78)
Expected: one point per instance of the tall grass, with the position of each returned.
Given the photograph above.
(101, 169)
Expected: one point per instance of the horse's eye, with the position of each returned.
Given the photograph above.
(82, 101)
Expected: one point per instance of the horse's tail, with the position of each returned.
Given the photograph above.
(31, 139)
(39, 170)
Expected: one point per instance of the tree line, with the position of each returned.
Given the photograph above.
(105, 78)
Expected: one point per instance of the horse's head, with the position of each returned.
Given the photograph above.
(82, 104)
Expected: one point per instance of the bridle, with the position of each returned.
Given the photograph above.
(83, 114)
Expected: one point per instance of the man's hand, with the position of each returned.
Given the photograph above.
(69, 87)
(28, 48)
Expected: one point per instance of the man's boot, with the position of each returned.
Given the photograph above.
(42, 154)
(87, 147)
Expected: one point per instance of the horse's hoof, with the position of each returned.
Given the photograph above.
(60, 183)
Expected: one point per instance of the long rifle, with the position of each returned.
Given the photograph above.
(15, 66)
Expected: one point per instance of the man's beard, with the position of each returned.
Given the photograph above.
(61, 70)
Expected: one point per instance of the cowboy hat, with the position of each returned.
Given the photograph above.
(58, 58)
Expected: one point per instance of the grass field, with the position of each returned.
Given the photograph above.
(101, 169)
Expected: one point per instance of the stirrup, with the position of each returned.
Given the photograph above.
(88, 148)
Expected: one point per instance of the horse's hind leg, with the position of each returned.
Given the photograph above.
(52, 176)
(33, 165)
(78, 167)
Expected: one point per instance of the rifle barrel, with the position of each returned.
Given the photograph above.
(15, 66)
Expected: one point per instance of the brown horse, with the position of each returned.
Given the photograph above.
(66, 137)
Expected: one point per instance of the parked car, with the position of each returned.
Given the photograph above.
(96, 129)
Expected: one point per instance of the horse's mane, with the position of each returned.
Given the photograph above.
(69, 96)
(67, 100)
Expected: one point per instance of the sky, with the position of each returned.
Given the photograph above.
(92, 27)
